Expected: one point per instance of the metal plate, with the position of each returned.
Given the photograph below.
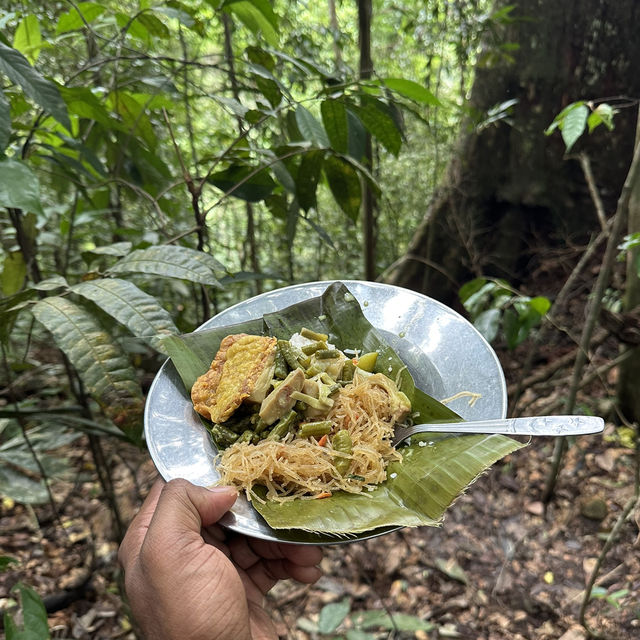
(443, 351)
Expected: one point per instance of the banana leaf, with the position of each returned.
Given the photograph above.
(435, 469)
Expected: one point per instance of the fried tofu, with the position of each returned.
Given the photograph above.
(241, 371)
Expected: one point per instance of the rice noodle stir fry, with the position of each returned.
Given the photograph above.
(300, 418)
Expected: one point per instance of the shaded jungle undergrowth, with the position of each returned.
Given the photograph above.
(501, 566)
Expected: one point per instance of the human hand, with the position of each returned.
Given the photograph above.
(187, 578)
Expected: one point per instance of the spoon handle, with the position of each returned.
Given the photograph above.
(533, 426)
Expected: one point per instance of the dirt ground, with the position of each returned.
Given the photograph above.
(501, 566)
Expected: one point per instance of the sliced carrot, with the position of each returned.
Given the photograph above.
(323, 440)
(324, 494)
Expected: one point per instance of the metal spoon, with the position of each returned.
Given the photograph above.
(532, 426)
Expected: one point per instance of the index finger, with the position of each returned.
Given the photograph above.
(139, 526)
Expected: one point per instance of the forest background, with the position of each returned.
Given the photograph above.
(162, 161)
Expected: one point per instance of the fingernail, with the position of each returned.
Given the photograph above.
(223, 489)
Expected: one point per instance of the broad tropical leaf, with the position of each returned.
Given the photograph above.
(14, 271)
(412, 90)
(171, 261)
(335, 121)
(256, 15)
(248, 183)
(19, 186)
(5, 121)
(310, 128)
(28, 38)
(376, 118)
(131, 307)
(435, 469)
(82, 102)
(344, 184)
(35, 625)
(100, 361)
(307, 178)
(82, 14)
(42, 91)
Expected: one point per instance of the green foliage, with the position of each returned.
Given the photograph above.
(614, 598)
(338, 621)
(631, 243)
(154, 172)
(578, 117)
(494, 308)
(34, 625)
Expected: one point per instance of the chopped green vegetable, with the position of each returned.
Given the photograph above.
(367, 362)
(312, 335)
(342, 443)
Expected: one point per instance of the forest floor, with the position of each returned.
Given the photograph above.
(502, 566)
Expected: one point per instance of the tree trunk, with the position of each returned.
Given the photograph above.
(510, 191)
(368, 198)
(628, 396)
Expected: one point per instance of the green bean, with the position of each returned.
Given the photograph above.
(294, 357)
(282, 426)
(312, 347)
(347, 371)
(260, 425)
(246, 436)
(288, 353)
(280, 370)
(223, 436)
(312, 335)
(238, 424)
(319, 428)
(313, 370)
(342, 443)
(326, 354)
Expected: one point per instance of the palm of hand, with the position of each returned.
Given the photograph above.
(186, 579)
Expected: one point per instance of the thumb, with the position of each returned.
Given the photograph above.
(184, 507)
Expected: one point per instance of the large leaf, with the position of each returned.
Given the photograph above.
(82, 14)
(100, 361)
(133, 111)
(256, 15)
(19, 186)
(42, 91)
(14, 272)
(310, 128)
(82, 102)
(344, 184)
(412, 90)
(307, 178)
(435, 468)
(35, 625)
(131, 307)
(335, 121)
(5, 122)
(245, 182)
(376, 118)
(171, 261)
(28, 38)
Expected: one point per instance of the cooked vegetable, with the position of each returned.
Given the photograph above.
(312, 335)
(282, 427)
(315, 429)
(342, 444)
(367, 362)
(282, 398)
(313, 432)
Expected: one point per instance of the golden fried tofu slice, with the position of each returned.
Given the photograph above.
(242, 370)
